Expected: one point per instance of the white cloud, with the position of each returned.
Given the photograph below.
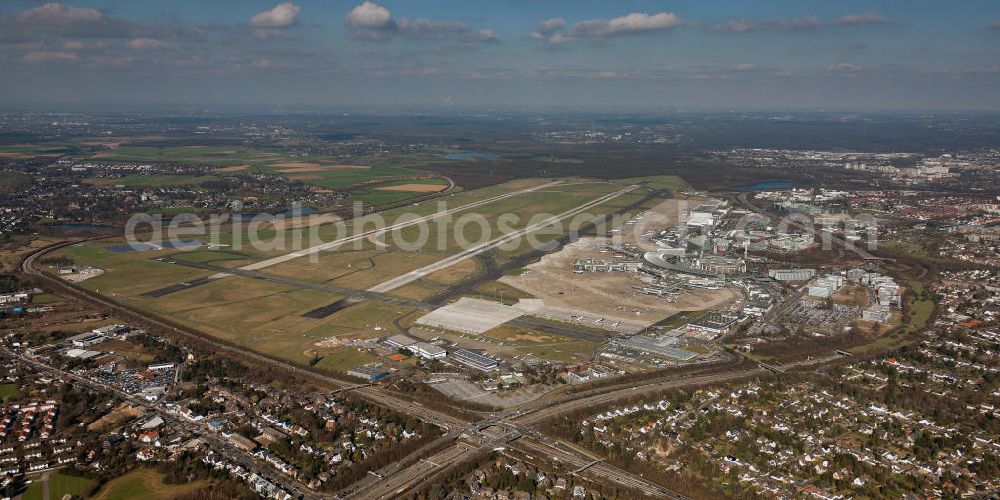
(863, 18)
(483, 36)
(54, 13)
(636, 22)
(555, 30)
(146, 43)
(281, 16)
(42, 56)
(845, 67)
(371, 21)
(369, 15)
(550, 26)
(995, 68)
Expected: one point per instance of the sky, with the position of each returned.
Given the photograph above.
(456, 54)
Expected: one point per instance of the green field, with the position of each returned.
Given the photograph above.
(567, 352)
(59, 485)
(207, 155)
(129, 273)
(8, 391)
(145, 484)
(375, 195)
(921, 308)
(344, 359)
(320, 171)
(269, 317)
(45, 298)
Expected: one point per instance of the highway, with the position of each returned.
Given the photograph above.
(395, 479)
(411, 477)
(375, 233)
(447, 262)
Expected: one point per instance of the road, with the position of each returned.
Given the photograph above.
(380, 397)
(521, 420)
(411, 477)
(201, 429)
(743, 199)
(445, 263)
(375, 233)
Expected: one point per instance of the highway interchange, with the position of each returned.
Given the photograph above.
(464, 439)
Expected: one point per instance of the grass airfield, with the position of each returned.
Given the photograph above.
(270, 317)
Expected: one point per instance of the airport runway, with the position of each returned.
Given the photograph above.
(374, 233)
(478, 249)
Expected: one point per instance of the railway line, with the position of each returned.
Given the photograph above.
(396, 482)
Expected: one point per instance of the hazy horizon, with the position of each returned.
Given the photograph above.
(444, 54)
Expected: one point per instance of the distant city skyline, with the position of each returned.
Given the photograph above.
(449, 54)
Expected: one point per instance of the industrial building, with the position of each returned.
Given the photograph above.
(86, 339)
(82, 354)
(473, 360)
(400, 341)
(721, 265)
(428, 351)
(825, 287)
(661, 346)
(370, 372)
(792, 274)
(877, 312)
(715, 323)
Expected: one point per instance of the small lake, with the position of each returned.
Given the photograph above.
(766, 186)
(144, 246)
(472, 155)
(103, 228)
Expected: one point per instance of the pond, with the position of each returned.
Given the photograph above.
(103, 228)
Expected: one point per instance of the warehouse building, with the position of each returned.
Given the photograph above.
(370, 372)
(427, 351)
(792, 274)
(661, 346)
(473, 360)
(400, 341)
(87, 339)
